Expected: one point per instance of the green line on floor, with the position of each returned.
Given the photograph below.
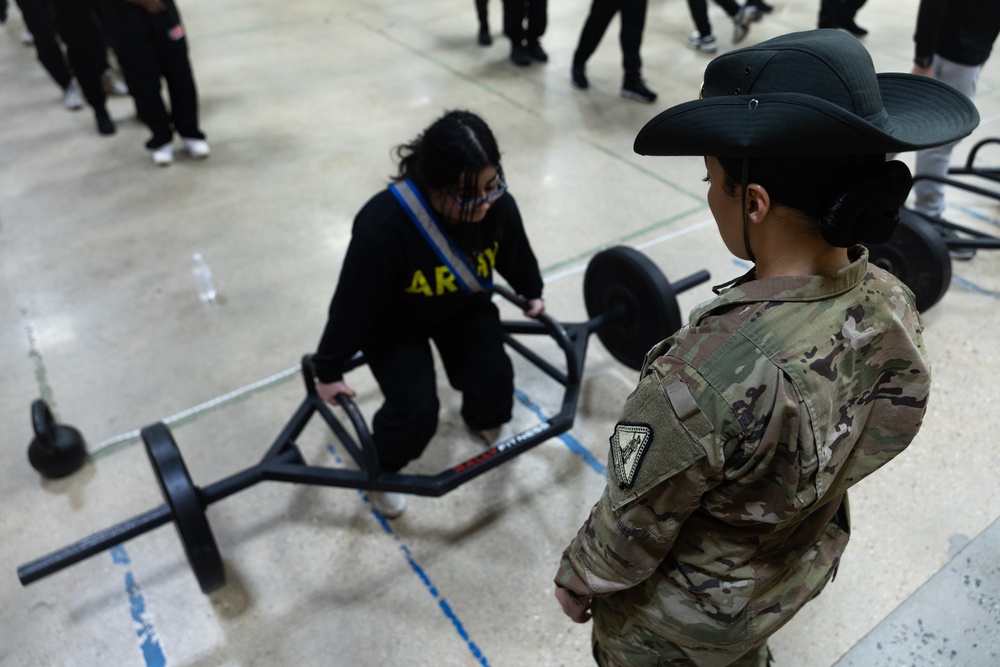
(41, 373)
(194, 413)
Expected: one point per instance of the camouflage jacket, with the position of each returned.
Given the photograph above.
(725, 508)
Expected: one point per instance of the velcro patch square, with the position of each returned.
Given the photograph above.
(628, 447)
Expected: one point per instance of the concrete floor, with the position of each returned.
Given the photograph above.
(303, 101)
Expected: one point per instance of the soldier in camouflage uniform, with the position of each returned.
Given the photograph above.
(726, 504)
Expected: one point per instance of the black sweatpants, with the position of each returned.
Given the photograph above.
(633, 22)
(39, 19)
(151, 46)
(833, 12)
(471, 349)
(524, 20)
(86, 48)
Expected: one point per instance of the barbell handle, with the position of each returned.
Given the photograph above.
(686, 283)
(95, 544)
(555, 329)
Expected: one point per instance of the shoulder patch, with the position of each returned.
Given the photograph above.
(628, 447)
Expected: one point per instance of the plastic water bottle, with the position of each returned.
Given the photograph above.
(203, 276)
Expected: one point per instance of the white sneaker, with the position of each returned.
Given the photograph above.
(747, 15)
(388, 503)
(490, 436)
(164, 155)
(196, 148)
(113, 84)
(706, 44)
(72, 98)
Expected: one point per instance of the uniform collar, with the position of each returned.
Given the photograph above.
(748, 289)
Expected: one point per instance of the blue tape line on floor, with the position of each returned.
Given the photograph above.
(568, 440)
(149, 641)
(976, 214)
(974, 287)
(419, 571)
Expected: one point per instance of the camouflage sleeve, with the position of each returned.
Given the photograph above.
(657, 473)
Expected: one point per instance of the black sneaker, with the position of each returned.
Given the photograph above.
(635, 89)
(485, 38)
(105, 125)
(579, 77)
(850, 26)
(519, 55)
(536, 52)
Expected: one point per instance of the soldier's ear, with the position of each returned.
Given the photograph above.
(758, 203)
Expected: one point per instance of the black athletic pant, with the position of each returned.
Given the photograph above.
(633, 22)
(150, 46)
(834, 12)
(518, 12)
(471, 349)
(39, 20)
(86, 49)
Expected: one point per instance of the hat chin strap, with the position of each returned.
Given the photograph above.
(743, 208)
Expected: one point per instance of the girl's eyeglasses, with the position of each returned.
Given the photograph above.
(488, 198)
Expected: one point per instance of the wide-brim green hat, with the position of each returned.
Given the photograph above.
(808, 93)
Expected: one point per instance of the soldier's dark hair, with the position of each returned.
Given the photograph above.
(450, 153)
(851, 198)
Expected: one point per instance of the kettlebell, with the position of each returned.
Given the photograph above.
(58, 449)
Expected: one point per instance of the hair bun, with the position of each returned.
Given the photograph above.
(869, 209)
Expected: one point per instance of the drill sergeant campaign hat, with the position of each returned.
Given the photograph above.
(808, 93)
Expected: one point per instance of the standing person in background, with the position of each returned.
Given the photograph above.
(151, 43)
(840, 14)
(953, 40)
(524, 23)
(725, 509)
(633, 21)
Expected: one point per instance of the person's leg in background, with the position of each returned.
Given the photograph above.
(633, 23)
(130, 29)
(39, 22)
(85, 50)
(538, 19)
(601, 13)
(929, 198)
(514, 14)
(170, 41)
(484, 23)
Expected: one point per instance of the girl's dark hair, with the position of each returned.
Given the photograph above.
(449, 155)
(851, 198)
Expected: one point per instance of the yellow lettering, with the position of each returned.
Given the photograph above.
(419, 284)
(487, 260)
(444, 279)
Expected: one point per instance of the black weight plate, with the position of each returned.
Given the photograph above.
(185, 503)
(918, 255)
(624, 278)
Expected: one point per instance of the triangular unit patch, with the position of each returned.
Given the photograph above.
(628, 447)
